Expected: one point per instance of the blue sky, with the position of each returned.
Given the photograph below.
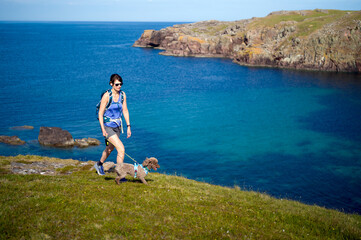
(157, 10)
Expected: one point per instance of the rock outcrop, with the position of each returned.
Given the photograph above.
(11, 140)
(55, 137)
(42, 165)
(86, 142)
(328, 40)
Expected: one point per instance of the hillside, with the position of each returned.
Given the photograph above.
(328, 40)
(73, 202)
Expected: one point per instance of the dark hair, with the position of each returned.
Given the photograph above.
(114, 77)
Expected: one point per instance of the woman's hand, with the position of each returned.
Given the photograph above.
(105, 134)
(129, 132)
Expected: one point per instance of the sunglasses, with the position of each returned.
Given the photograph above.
(118, 84)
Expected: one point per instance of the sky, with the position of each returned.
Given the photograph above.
(157, 10)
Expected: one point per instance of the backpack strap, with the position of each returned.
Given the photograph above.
(108, 104)
(110, 98)
(122, 96)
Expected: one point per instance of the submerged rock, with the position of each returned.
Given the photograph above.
(25, 127)
(11, 140)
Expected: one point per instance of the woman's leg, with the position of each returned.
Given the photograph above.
(107, 151)
(115, 141)
(99, 165)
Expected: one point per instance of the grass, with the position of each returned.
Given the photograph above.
(271, 20)
(84, 205)
(306, 24)
(212, 30)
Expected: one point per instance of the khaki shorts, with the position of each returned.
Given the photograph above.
(112, 131)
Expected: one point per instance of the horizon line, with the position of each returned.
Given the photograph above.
(96, 21)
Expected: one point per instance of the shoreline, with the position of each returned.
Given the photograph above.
(331, 42)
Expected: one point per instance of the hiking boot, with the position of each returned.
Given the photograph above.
(100, 169)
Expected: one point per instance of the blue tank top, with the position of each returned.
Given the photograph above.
(115, 112)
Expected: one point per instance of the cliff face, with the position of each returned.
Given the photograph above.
(327, 40)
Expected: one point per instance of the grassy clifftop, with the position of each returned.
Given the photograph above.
(83, 205)
(308, 21)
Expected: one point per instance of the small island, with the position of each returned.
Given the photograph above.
(327, 40)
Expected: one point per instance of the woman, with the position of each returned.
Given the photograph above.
(110, 120)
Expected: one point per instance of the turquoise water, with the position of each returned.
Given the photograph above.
(291, 134)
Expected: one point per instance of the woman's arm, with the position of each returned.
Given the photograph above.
(126, 116)
(103, 104)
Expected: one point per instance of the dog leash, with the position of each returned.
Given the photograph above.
(131, 158)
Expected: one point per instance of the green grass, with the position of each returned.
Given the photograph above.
(84, 205)
(272, 20)
(312, 24)
(212, 30)
(305, 24)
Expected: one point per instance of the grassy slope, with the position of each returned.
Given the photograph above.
(308, 23)
(305, 24)
(84, 205)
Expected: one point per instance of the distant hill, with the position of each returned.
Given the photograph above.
(328, 40)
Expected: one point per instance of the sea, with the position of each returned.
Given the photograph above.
(288, 133)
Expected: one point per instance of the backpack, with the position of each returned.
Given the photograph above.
(109, 102)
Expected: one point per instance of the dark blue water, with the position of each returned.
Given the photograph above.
(291, 134)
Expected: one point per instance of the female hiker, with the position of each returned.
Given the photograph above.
(112, 106)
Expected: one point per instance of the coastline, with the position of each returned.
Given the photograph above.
(330, 42)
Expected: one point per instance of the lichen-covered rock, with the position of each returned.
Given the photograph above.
(328, 40)
(55, 137)
(11, 140)
(43, 165)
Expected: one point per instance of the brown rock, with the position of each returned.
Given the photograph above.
(55, 137)
(93, 141)
(13, 140)
(86, 142)
(81, 143)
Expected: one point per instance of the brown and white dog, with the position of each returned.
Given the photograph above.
(140, 171)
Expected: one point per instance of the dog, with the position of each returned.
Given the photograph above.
(142, 170)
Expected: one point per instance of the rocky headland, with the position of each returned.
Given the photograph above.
(327, 40)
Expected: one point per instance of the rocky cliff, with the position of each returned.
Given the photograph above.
(328, 40)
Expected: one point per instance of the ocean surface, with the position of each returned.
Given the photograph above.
(290, 134)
